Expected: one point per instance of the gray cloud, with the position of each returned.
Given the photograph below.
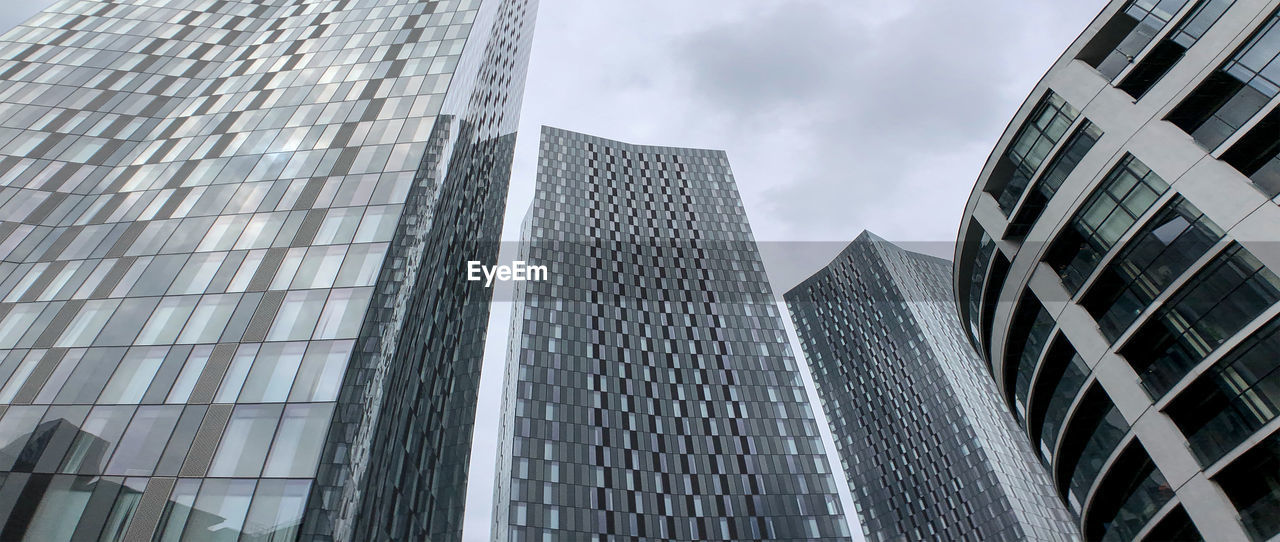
(16, 12)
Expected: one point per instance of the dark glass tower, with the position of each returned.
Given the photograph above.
(928, 448)
(213, 215)
(652, 394)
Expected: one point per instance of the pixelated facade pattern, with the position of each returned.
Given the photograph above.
(652, 394)
(212, 216)
(1125, 295)
(928, 448)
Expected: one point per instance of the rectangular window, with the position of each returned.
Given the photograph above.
(245, 442)
(1157, 255)
(1216, 303)
(1235, 92)
(1128, 191)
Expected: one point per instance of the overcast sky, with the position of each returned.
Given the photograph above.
(837, 116)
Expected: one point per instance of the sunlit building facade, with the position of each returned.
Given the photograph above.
(213, 217)
(651, 391)
(1117, 270)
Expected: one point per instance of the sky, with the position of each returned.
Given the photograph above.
(837, 116)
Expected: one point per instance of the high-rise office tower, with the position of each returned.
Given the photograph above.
(652, 394)
(229, 233)
(1117, 268)
(928, 448)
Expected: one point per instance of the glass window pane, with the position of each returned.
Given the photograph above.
(209, 319)
(186, 381)
(133, 376)
(273, 373)
(98, 438)
(361, 265)
(297, 316)
(277, 510)
(177, 510)
(343, 314)
(86, 325)
(296, 451)
(246, 440)
(219, 511)
(233, 380)
(167, 321)
(320, 376)
(144, 440)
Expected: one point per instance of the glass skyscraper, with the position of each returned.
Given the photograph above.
(227, 237)
(928, 448)
(651, 391)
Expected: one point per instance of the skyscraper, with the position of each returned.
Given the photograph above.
(214, 217)
(651, 392)
(928, 448)
(1116, 268)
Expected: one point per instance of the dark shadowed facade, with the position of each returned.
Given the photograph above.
(213, 218)
(651, 392)
(928, 448)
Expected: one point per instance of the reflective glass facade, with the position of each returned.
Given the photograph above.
(212, 214)
(1130, 312)
(651, 392)
(930, 452)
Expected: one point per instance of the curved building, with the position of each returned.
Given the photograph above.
(1116, 268)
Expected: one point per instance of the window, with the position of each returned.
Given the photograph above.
(245, 442)
(1235, 92)
(277, 510)
(1217, 302)
(320, 376)
(1125, 36)
(209, 318)
(1127, 192)
(1257, 155)
(1128, 497)
(981, 262)
(1059, 383)
(343, 314)
(1157, 255)
(167, 320)
(1233, 399)
(296, 450)
(144, 441)
(1252, 482)
(1093, 433)
(274, 368)
(1028, 334)
(999, 272)
(225, 499)
(297, 315)
(1157, 62)
(1046, 125)
(1062, 164)
(97, 439)
(133, 376)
